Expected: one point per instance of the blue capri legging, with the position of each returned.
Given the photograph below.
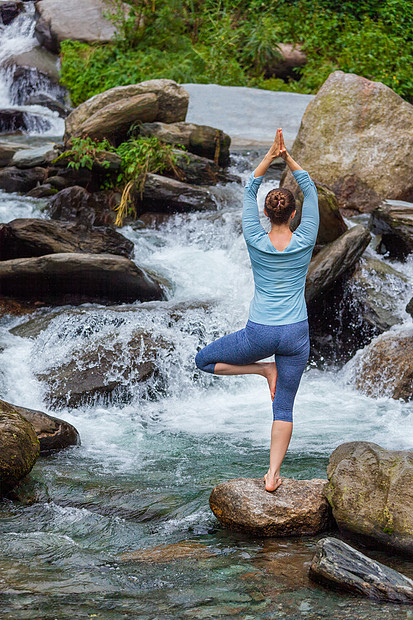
(289, 344)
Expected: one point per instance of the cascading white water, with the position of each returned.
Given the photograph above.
(17, 38)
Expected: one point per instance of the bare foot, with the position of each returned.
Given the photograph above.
(270, 373)
(272, 482)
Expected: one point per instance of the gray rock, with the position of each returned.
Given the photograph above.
(335, 260)
(48, 102)
(370, 491)
(23, 238)
(296, 507)
(201, 140)
(162, 194)
(15, 180)
(19, 447)
(79, 20)
(9, 11)
(42, 191)
(53, 433)
(39, 156)
(7, 150)
(60, 279)
(393, 220)
(341, 567)
(12, 120)
(172, 102)
(341, 150)
(37, 58)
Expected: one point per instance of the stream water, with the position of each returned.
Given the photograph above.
(121, 526)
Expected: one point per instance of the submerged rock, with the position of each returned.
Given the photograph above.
(53, 434)
(23, 238)
(185, 549)
(394, 222)
(77, 278)
(341, 567)
(201, 140)
(332, 224)
(79, 20)
(370, 490)
(335, 260)
(19, 447)
(385, 366)
(297, 507)
(341, 149)
(105, 369)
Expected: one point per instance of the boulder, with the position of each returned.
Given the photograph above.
(372, 132)
(339, 566)
(105, 369)
(393, 220)
(332, 224)
(290, 57)
(42, 191)
(37, 58)
(26, 237)
(297, 507)
(76, 278)
(370, 490)
(114, 120)
(19, 447)
(335, 260)
(48, 102)
(15, 180)
(7, 150)
(30, 158)
(373, 288)
(195, 170)
(162, 194)
(199, 139)
(172, 100)
(385, 366)
(9, 11)
(77, 204)
(79, 20)
(53, 434)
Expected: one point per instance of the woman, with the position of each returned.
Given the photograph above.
(277, 323)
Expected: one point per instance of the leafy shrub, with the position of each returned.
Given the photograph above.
(84, 152)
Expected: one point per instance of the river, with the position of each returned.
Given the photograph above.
(90, 545)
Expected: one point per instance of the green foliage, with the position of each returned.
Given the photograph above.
(234, 42)
(84, 152)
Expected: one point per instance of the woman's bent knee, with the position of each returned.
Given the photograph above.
(202, 363)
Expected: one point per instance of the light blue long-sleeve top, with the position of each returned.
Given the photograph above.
(279, 277)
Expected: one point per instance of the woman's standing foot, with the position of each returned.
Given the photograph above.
(272, 481)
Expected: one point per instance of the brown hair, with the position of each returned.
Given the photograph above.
(279, 204)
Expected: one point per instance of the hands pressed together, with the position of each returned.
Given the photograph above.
(278, 147)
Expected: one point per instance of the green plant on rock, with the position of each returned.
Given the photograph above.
(85, 151)
(141, 156)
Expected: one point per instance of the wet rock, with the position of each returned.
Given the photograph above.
(409, 307)
(114, 120)
(394, 222)
(341, 567)
(30, 158)
(297, 507)
(19, 447)
(291, 56)
(42, 191)
(53, 433)
(153, 220)
(79, 178)
(12, 121)
(13, 179)
(172, 100)
(105, 369)
(59, 279)
(374, 286)
(332, 224)
(11, 307)
(341, 150)
(162, 194)
(201, 140)
(370, 490)
(7, 150)
(334, 260)
(40, 59)
(28, 81)
(77, 204)
(196, 170)
(57, 182)
(9, 11)
(26, 237)
(385, 366)
(80, 20)
(48, 102)
(189, 549)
